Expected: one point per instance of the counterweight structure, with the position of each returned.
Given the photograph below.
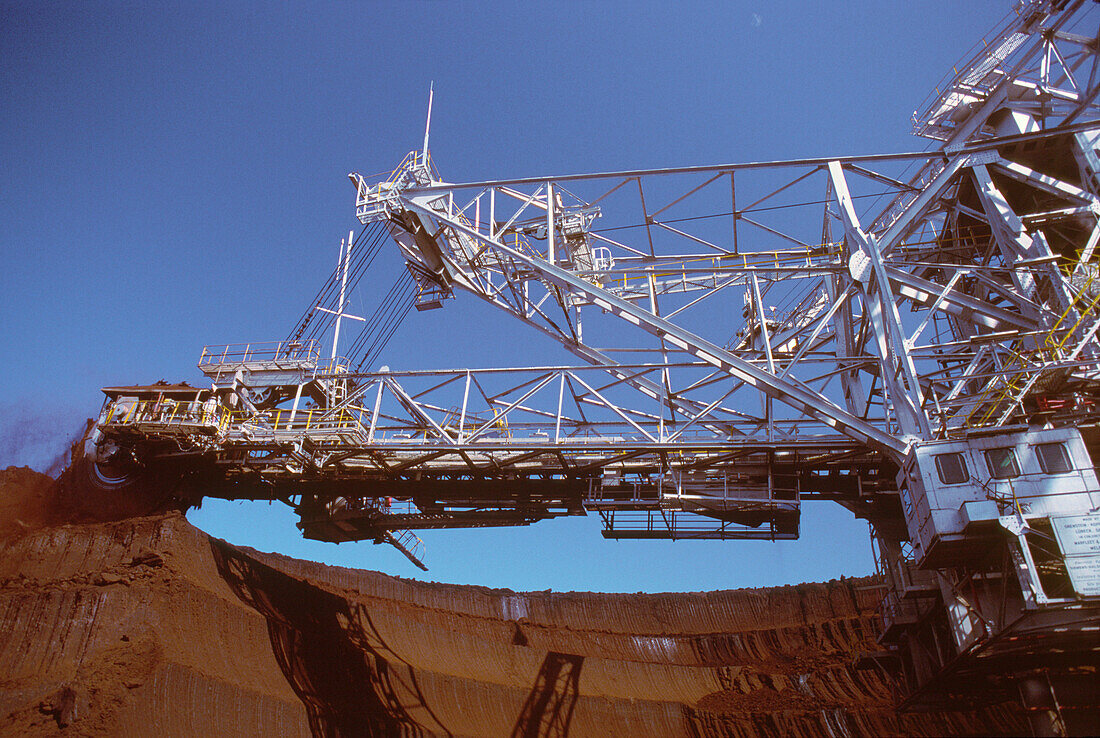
(911, 335)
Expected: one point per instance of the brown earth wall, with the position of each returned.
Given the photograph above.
(147, 626)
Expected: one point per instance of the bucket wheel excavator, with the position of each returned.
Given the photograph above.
(910, 335)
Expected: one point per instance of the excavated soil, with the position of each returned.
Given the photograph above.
(147, 626)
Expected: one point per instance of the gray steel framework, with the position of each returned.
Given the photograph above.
(884, 300)
(750, 335)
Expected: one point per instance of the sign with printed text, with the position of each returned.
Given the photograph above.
(1084, 574)
(1079, 538)
(1077, 534)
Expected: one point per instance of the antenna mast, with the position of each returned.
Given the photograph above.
(427, 124)
(345, 258)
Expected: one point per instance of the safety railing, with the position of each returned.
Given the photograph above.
(372, 202)
(756, 260)
(1020, 374)
(205, 417)
(902, 200)
(315, 420)
(339, 365)
(1055, 344)
(409, 541)
(894, 613)
(166, 415)
(1016, 374)
(290, 352)
(975, 76)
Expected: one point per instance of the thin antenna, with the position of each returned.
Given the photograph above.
(345, 255)
(428, 125)
(345, 258)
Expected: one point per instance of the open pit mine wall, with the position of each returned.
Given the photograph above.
(147, 626)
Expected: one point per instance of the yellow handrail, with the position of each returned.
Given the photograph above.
(1050, 349)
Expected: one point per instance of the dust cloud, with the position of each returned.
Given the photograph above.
(37, 437)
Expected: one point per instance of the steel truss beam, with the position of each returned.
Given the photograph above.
(854, 308)
(912, 262)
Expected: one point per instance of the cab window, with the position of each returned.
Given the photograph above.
(952, 468)
(1053, 458)
(1002, 463)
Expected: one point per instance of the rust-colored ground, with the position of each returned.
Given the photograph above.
(147, 626)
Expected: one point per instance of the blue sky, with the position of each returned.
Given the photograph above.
(174, 175)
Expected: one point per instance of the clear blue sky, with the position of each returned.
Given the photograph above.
(173, 175)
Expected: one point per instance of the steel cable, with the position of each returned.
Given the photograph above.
(375, 233)
(384, 322)
(380, 311)
(311, 327)
(361, 261)
(326, 287)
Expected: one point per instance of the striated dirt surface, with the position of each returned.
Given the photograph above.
(27, 501)
(147, 626)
